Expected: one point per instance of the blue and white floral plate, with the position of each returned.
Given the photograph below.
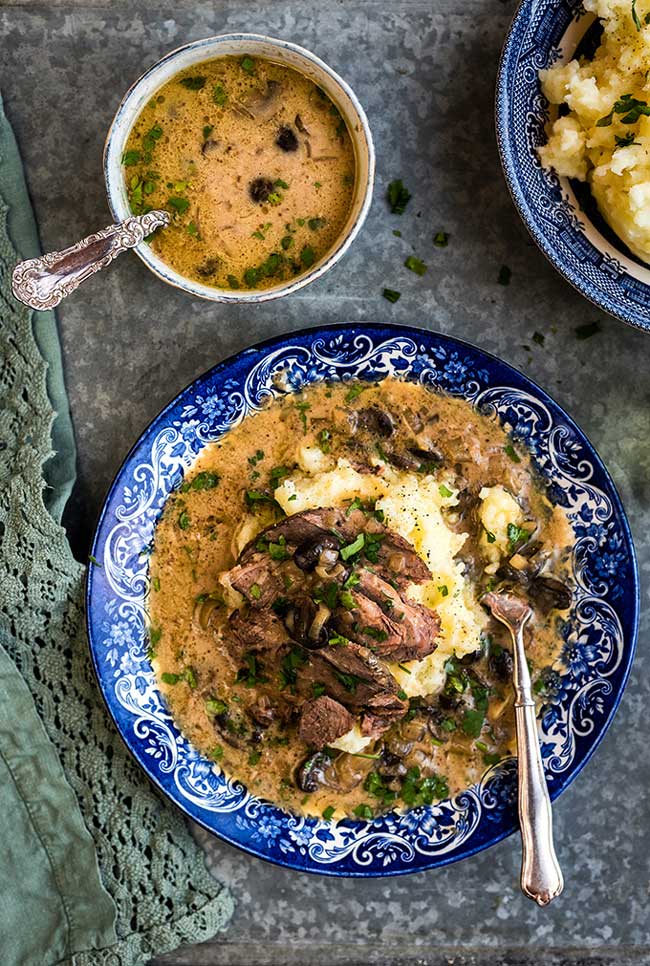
(573, 236)
(600, 635)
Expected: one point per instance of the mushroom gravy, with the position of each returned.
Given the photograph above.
(290, 648)
(255, 164)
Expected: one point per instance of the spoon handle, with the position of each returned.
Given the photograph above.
(541, 876)
(43, 282)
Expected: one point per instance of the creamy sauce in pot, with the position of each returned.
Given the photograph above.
(256, 166)
(446, 740)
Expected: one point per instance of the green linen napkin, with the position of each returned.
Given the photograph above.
(95, 867)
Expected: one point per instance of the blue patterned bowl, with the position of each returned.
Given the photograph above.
(599, 639)
(572, 235)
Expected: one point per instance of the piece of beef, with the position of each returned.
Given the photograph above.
(258, 632)
(350, 673)
(323, 720)
(392, 555)
(259, 579)
(393, 628)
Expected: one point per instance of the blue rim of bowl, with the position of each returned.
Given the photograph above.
(504, 126)
(515, 377)
(330, 259)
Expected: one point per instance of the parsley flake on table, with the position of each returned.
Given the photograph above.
(391, 295)
(505, 274)
(441, 239)
(415, 265)
(398, 197)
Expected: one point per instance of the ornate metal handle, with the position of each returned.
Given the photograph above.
(541, 876)
(43, 282)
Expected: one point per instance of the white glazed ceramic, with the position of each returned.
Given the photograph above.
(238, 45)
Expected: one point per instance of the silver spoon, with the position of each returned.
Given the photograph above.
(541, 876)
(43, 282)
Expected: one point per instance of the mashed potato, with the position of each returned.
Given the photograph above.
(605, 138)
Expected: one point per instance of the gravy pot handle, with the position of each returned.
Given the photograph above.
(43, 282)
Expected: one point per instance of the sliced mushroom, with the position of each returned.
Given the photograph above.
(376, 421)
(210, 146)
(208, 268)
(261, 105)
(298, 121)
(286, 139)
(260, 189)
(308, 554)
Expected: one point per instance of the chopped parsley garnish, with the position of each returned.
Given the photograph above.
(219, 94)
(94, 560)
(630, 107)
(256, 457)
(193, 83)
(372, 545)
(315, 224)
(192, 229)
(625, 141)
(324, 438)
(183, 520)
(318, 689)
(278, 473)
(444, 491)
(364, 811)
(217, 752)
(189, 675)
(346, 600)
(286, 242)
(448, 724)
(349, 681)
(415, 265)
(274, 198)
(155, 583)
(489, 536)
(180, 205)
(328, 812)
(337, 640)
(391, 295)
(233, 282)
(307, 256)
(443, 590)
(247, 64)
(207, 130)
(398, 197)
(375, 786)
(168, 678)
(294, 496)
(516, 537)
(129, 158)
(492, 758)
(353, 548)
(354, 392)
(376, 633)
(155, 633)
(254, 757)
(402, 695)
(252, 673)
(278, 551)
(327, 595)
(255, 591)
(302, 408)
(202, 481)
(504, 276)
(352, 581)
(511, 453)
(587, 330)
(635, 16)
(215, 706)
(253, 497)
(441, 239)
(422, 791)
(280, 606)
(472, 723)
(294, 660)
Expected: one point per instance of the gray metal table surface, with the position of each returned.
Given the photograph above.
(425, 73)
